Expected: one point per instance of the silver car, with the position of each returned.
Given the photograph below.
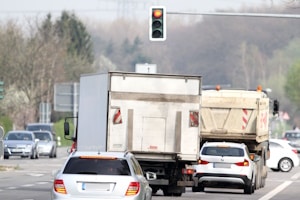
(102, 175)
(47, 144)
(20, 143)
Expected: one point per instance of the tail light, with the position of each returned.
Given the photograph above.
(188, 171)
(295, 151)
(59, 186)
(242, 164)
(202, 162)
(133, 189)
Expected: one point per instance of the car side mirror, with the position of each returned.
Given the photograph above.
(151, 176)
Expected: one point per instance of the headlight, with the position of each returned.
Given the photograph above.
(28, 146)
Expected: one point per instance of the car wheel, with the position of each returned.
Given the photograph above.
(6, 157)
(51, 155)
(249, 188)
(198, 189)
(33, 154)
(37, 155)
(285, 165)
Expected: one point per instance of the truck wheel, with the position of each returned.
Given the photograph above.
(166, 193)
(177, 194)
(285, 165)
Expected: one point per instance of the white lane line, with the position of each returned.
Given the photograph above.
(276, 190)
(27, 185)
(296, 176)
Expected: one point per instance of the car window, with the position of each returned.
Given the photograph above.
(136, 167)
(37, 127)
(223, 151)
(275, 145)
(77, 165)
(42, 136)
(19, 136)
(292, 135)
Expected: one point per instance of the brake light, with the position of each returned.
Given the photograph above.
(98, 157)
(187, 171)
(59, 186)
(133, 189)
(202, 162)
(295, 151)
(242, 164)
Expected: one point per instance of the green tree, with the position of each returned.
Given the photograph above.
(73, 30)
(292, 86)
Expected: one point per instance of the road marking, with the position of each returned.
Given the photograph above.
(276, 190)
(296, 176)
(27, 185)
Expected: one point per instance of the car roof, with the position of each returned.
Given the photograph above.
(230, 144)
(280, 141)
(292, 131)
(20, 131)
(30, 124)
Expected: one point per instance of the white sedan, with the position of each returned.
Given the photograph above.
(283, 157)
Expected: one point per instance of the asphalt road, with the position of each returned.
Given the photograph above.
(26, 179)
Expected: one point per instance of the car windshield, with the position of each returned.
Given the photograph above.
(38, 127)
(77, 165)
(292, 135)
(223, 151)
(42, 136)
(19, 136)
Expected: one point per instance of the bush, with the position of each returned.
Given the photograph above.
(6, 123)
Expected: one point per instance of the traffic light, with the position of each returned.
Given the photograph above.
(157, 23)
(1, 89)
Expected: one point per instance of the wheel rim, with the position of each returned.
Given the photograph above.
(285, 165)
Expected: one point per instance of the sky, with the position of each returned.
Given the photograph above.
(112, 9)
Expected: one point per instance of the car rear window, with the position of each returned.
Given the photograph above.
(37, 127)
(77, 165)
(223, 151)
(42, 136)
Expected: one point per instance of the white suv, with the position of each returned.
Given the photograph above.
(225, 165)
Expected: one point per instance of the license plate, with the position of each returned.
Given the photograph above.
(95, 186)
(16, 150)
(222, 165)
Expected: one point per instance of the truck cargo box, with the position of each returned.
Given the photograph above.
(237, 115)
(155, 116)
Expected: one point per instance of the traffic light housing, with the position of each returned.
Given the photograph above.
(157, 23)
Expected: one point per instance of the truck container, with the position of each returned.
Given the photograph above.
(154, 116)
(239, 116)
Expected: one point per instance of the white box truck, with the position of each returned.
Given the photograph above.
(239, 116)
(154, 116)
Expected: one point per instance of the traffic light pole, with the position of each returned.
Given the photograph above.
(237, 14)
